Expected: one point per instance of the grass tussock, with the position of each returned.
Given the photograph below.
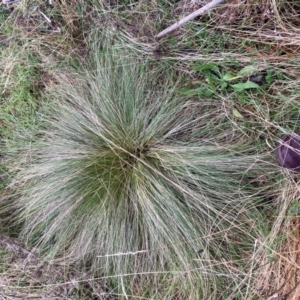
(153, 174)
(127, 179)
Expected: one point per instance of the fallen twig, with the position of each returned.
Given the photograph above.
(191, 16)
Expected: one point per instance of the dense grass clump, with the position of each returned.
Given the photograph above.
(160, 180)
(135, 183)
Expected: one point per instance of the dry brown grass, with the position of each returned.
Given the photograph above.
(26, 276)
(267, 31)
(278, 259)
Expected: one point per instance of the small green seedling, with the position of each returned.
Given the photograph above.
(220, 80)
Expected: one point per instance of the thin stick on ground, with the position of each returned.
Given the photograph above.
(191, 16)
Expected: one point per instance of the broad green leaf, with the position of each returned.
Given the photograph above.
(203, 67)
(239, 87)
(203, 91)
(224, 85)
(237, 114)
(227, 76)
(246, 71)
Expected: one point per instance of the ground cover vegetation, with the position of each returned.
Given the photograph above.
(143, 168)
